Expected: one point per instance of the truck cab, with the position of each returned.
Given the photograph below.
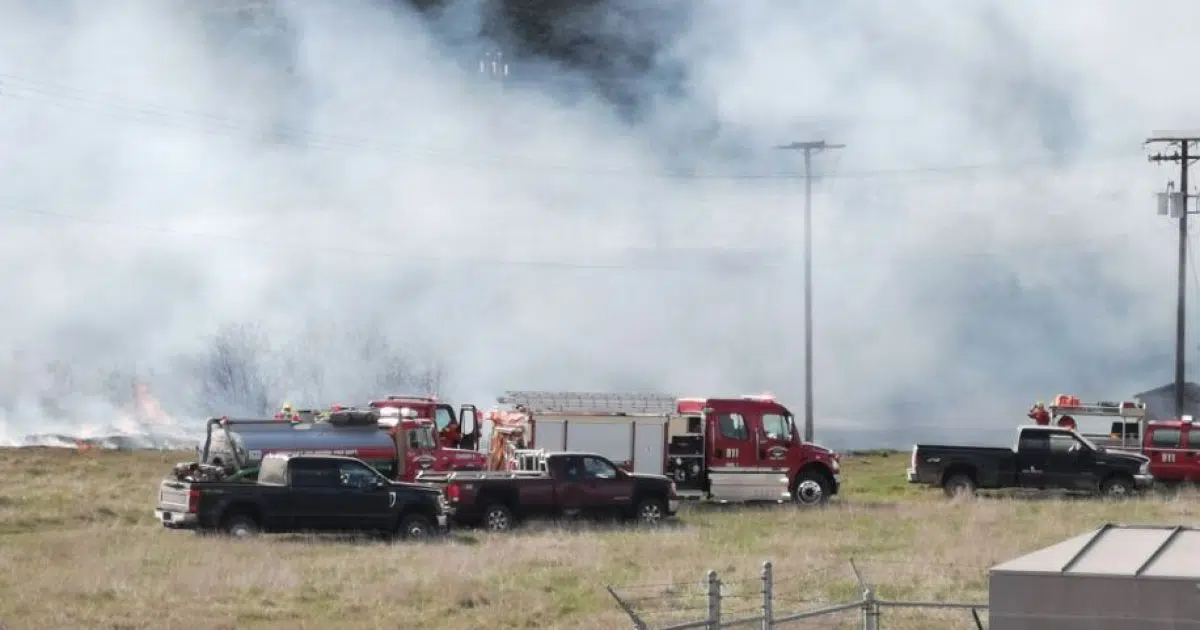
(1174, 454)
(748, 449)
(441, 414)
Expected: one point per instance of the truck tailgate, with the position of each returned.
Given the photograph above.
(173, 496)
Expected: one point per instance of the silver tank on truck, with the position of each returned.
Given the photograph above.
(234, 444)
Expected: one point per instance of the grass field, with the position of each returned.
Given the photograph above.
(79, 548)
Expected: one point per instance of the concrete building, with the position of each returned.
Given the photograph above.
(1117, 577)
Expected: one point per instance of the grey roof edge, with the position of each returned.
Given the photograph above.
(1096, 536)
(1166, 544)
(1094, 576)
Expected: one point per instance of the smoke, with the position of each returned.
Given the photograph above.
(329, 202)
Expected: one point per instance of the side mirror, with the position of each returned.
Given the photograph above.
(379, 483)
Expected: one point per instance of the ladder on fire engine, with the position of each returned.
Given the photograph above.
(590, 402)
(1111, 410)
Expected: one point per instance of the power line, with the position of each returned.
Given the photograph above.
(16, 87)
(704, 252)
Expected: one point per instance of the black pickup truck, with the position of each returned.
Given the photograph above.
(310, 493)
(555, 485)
(1044, 458)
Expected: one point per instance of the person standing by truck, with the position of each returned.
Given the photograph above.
(1039, 414)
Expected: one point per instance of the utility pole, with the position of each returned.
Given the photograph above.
(1182, 143)
(809, 148)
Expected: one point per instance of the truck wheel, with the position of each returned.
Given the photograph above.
(241, 526)
(650, 512)
(812, 489)
(415, 527)
(959, 485)
(1116, 487)
(497, 518)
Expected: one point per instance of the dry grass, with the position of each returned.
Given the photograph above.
(79, 548)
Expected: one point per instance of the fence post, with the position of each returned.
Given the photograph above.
(768, 590)
(714, 601)
(870, 610)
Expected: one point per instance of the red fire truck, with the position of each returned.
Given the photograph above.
(744, 448)
(441, 414)
(1174, 454)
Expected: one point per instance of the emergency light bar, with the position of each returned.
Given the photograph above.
(424, 397)
(589, 402)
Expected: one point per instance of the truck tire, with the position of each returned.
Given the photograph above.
(497, 518)
(650, 512)
(241, 526)
(811, 489)
(1117, 487)
(415, 527)
(959, 484)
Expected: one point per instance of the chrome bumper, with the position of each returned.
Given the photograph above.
(672, 506)
(1142, 482)
(442, 521)
(912, 476)
(177, 520)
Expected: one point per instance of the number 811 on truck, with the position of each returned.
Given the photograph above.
(734, 449)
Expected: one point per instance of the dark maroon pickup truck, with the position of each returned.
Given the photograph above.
(555, 485)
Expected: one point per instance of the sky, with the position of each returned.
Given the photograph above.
(344, 204)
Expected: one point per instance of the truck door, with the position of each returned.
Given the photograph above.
(569, 484)
(468, 422)
(1033, 450)
(1071, 464)
(605, 490)
(734, 473)
(774, 438)
(314, 486)
(1191, 442)
(730, 442)
(362, 503)
(1170, 459)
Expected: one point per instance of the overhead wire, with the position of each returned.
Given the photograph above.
(16, 87)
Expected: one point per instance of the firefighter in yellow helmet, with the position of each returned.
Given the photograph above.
(286, 412)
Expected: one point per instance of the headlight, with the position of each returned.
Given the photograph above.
(837, 467)
(1145, 469)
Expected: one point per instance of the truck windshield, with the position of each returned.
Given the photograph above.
(1087, 442)
(422, 438)
(790, 421)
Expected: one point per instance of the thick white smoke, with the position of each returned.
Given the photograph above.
(334, 198)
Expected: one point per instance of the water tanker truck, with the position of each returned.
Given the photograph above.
(395, 440)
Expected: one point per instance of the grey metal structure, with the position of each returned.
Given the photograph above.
(590, 402)
(1160, 401)
(1117, 577)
